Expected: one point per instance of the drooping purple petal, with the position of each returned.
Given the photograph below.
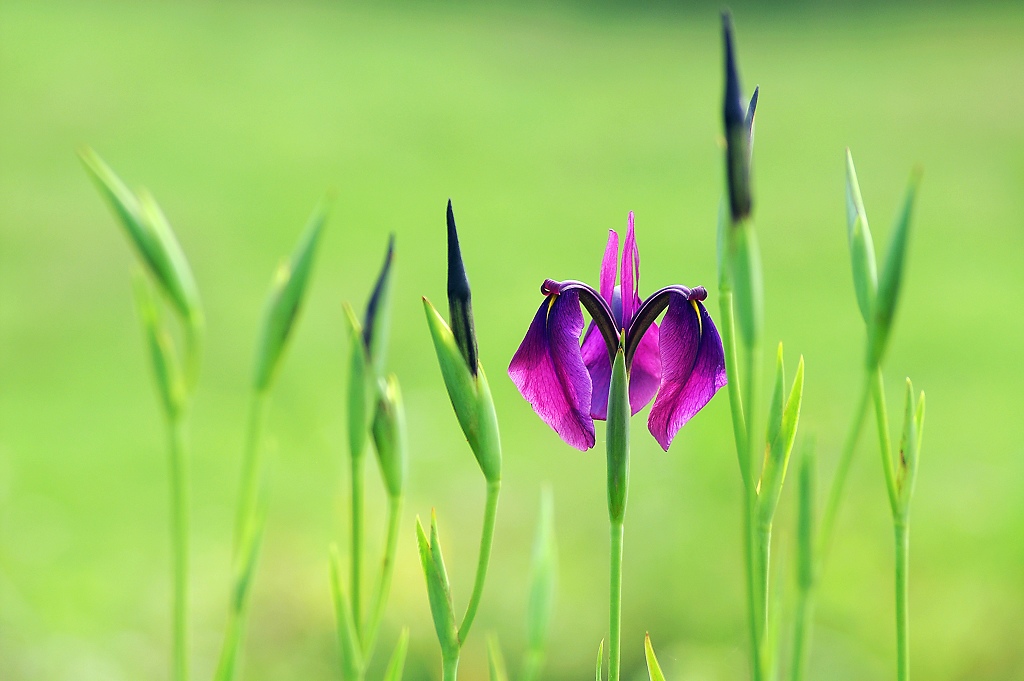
(629, 275)
(645, 371)
(693, 367)
(549, 371)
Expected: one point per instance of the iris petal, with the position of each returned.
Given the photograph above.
(693, 367)
(608, 263)
(599, 366)
(549, 370)
(629, 275)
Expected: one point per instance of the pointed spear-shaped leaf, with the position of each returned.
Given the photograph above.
(862, 247)
(351, 657)
(438, 589)
(891, 279)
(495, 660)
(285, 300)
(910, 445)
(782, 428)
(600, 659)
(396, 664)
(653, 668)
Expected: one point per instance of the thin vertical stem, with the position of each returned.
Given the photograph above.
(615, 602)
(801, 634)
(450, 668)
(179, 539)
(884, 441)
(902, 535)
(835, 494)
(764, 551)
(486, 539)
(355, 573)
(251, 467)
(739, 424)
(387, 570)
(749, 552)
(759, 579)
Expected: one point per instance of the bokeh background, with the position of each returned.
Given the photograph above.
(545, 125)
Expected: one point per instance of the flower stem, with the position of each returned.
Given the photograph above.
(882, 422)
(728, 327)
(486, 538)
(902, 535)
(251, 467)
(355, 573)
(759, 569)
(179, 539)
(801, 633)
(387, 570)
(835, 495)
(615, 602)
(450, 667)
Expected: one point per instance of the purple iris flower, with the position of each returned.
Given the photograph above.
(682, 362)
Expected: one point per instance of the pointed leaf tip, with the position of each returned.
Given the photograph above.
(653, 668)
(460, 305)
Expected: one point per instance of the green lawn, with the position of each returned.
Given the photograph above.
(545, 127)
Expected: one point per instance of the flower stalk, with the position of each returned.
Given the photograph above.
(617, 435)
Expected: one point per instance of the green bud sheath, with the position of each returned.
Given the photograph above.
(891, 279)
(389, 438)
(745, 276)
(362, 387)
(284, 301)
(377, 328)
(862, 247)
(618, 438)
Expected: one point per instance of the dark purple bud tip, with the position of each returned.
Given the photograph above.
(378, 297)
(460, 307)
(737, 134)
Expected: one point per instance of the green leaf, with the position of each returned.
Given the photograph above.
(169, 380)
(389, 437)
(600, 659)
(438, 589)
(351, 657)
(892, 278)
(285, 300)
(543, 574)
(862, 247)
(245, 568)
(617, 434)
(781, 433)
(396, 665)
(362, 387)
(653, 668)
(495, 660)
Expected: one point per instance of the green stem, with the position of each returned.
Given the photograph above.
(749, 555)
(179, 538)
(251, 467)
(355, 573)
(835, 494)
(615, 602)
(486, 538)
(759, 580)
(902, 532)
(764, 550)
(387, 570)
(450, 668)
(801, 633)
(882, 422)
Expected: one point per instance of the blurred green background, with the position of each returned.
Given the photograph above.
(545, 125)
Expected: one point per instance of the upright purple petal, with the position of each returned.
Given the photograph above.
(549, 371)
(645, 371)
(599, 366)
(608, 264)
(629, 275)
(693, 367)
